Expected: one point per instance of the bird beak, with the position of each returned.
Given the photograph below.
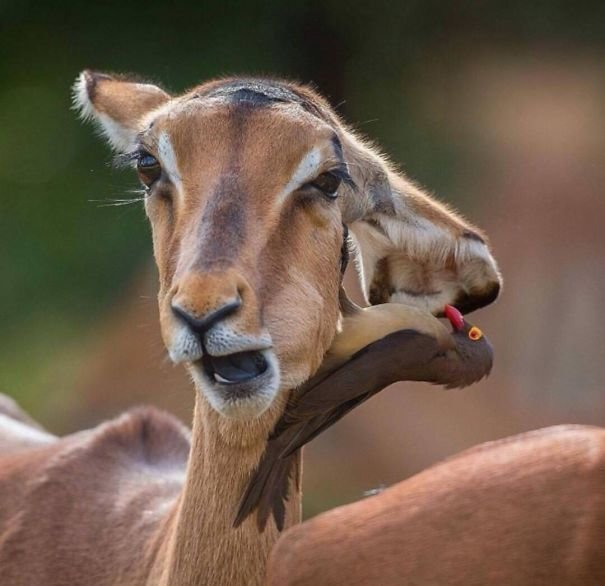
(454, 317)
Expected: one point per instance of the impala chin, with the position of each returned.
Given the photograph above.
(242, 385)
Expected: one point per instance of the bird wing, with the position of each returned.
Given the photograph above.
(311, 429)
(268, 487)
(402, 355)
(369, 371)
(321, 402)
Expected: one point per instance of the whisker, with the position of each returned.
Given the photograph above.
(108, 203)
(367, 121)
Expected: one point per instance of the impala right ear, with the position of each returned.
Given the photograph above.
(411, 248)
(117, 105)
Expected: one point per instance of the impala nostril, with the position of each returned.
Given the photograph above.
(200, 325)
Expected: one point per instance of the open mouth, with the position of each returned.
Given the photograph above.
(240, 385)
(236, 368)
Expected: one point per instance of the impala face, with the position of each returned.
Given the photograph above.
(247, 184)
(247, 236)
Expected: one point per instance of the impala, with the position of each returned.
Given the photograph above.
(250, 186)
(527, 510)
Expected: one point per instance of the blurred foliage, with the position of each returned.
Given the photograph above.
(65, 255)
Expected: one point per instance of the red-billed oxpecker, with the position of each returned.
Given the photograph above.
(417, 347)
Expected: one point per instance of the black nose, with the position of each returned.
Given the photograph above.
(200, 325)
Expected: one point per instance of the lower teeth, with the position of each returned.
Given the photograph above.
(220, 379)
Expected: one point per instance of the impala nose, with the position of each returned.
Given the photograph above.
(230, 369)
(199, 325)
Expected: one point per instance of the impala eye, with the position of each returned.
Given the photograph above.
(148, 168)
(328, 183)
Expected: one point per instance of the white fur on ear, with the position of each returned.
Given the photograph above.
(116, 106)
(120, 137)
(80, 99)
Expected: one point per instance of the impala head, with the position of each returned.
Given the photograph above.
(249, 184)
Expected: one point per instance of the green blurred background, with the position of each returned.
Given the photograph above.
(498, 108)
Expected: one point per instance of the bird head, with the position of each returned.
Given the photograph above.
(475, 351)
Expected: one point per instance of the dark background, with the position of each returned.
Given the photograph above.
(498, 108)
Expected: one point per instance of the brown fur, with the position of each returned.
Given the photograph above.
(116, 504)
(525, 511)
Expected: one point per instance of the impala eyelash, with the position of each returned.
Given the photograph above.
(127, 159)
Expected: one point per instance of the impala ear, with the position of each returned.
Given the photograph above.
(117, 105)
(412, 249)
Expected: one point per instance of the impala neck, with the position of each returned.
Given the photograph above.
(203, 547)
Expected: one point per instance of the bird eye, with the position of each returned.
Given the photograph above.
(328, 183)
(475, 334)
(148, 168)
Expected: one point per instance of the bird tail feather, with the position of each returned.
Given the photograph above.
(267, 489)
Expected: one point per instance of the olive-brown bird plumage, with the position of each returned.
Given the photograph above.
(425, 350)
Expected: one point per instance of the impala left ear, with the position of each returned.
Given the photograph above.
(412, 249)
(117, 104)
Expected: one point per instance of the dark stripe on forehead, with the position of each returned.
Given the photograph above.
(257, 91)
(260, 93)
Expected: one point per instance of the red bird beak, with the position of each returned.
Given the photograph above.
(454, 317)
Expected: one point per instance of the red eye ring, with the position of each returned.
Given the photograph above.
(475, 334)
